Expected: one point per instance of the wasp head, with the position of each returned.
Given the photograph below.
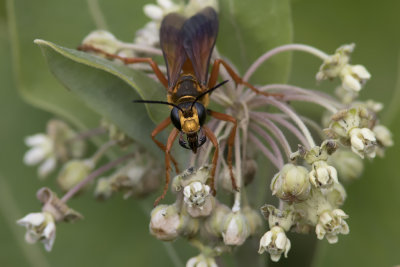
(188, 118)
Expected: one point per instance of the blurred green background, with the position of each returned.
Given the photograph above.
(115, 233)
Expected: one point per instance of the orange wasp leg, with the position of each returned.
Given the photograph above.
(210, 135)
(231, 141)
(214, 76)
(164, 124)
(170, 142)
(130, 60)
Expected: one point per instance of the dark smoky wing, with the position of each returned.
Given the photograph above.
(171, 42)
(200, 33)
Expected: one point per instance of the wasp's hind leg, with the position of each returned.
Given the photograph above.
(231, 141)
(130, 60)
(170, 142)
(235, 77)
(164, 124)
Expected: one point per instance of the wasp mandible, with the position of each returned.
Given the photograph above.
(187, 45)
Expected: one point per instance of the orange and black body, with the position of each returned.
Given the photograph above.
(187, 45)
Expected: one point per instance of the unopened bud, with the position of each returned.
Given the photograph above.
(236, 229)
(213, 224)
(349, 165)
(165, 222)
(74, 172)
(291, 183)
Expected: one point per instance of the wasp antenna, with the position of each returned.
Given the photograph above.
(208, 91)
(157, 102)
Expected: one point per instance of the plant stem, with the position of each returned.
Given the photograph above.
(103, 149)
(93, 175)
(87, 134)
(283, 107)
(289, 126)
(97, 15)
(278, 155)
(258, 118)
(289, 47)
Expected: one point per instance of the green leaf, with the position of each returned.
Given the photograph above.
(107, 88)
(248, 29)
(34, 82)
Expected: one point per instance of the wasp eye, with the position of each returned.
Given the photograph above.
(201, 112)
(175, 118)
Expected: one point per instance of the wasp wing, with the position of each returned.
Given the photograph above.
(200, 33)
(171, 41)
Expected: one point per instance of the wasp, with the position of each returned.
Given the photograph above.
(187, 45)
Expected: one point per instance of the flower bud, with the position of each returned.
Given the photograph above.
(275, 243)
(102, 40)
(336, 195)
(65, 146)
(276, 217)
(165, 222)
(103, 189)
(253, 219)
(346, 96)
(383, 137)
(39, 226)
(214, 222)
(291, 183)
(348, 165)
(235, 229)
(74, 172)
(201, 261)
(323, 175)
(139, 177)
(330, 224)
(116, 134)
(363, 142)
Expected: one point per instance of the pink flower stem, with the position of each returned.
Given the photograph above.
(289, 126)
(285, 109)
(289, 47)
(93, 175)
(271, 142)
(258, 118)
(265, 151)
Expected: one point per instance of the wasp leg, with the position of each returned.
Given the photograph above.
(231, 141)
(130, 60)
(164, 124)
(235, 77)
(171, 138)
(210, 135)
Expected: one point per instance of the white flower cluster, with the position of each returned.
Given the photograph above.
(41, 226)
(357, 127)
(353, 76)
(52, 147)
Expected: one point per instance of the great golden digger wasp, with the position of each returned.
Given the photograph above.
(187, 44)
